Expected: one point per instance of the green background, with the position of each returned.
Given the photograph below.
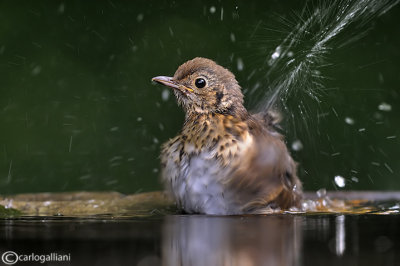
(78, 110)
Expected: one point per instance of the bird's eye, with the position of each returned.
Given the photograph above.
(200, 83)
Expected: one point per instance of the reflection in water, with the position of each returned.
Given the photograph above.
(205, 240)
(340, 235)
(327, 240)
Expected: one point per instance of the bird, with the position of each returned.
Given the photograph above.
(225, 160)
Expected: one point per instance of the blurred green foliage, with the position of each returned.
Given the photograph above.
(78, 110)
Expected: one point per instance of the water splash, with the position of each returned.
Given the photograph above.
(349, 121)
(340, 181)
(297, 145)
(115, 205)
(303, 52)
(385, 107)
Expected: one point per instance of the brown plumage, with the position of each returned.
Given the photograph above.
(225, 160)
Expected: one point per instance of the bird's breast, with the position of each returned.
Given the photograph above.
(194, 178)
(223, 137)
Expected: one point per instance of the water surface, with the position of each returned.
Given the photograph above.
(204, 240)
(354, 228)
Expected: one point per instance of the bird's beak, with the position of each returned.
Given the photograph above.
(170, 82)
(167, 81)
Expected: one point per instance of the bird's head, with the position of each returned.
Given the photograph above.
(202, 86)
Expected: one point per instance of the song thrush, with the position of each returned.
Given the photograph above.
(225, 160)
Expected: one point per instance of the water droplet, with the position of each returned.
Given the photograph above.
(171, 32)
(115, 158)
(140, 17)
(321, 193)
(139, 119)
(290, 54)
(334, 111)
(297, 145)
(165, 95)
(380, 77)
(385, 107)
(378, 116)
(340, 181)
(233, 38)
(212, 9)
(112, 165)
(240, 64)
(276, 53)
(108, 183)
(388, 168)
(361, 129)
(317, 73)
(349, 121)
(36, 70)
(84, 177)
(61, 8)
(113, 129)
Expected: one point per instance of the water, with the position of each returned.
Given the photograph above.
(295, 68)
(347, 228)
(298, 71)
(304, 51)
(200, 240)
(116, 205)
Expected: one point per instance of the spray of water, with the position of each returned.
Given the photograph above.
(294, 66)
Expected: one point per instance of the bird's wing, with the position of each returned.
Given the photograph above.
(266, 176)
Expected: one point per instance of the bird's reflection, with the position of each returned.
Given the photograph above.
(251, 240)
